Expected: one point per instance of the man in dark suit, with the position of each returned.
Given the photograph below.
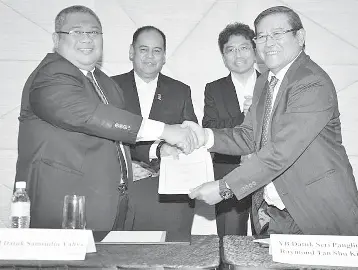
(299, 169)
(72, 123)
(226, 103)
(151, 94)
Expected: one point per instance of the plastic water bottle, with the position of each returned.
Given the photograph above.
(20, 207)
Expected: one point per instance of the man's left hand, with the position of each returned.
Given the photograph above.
(208, 192)
(170, 150)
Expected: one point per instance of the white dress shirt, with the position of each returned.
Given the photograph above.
(146, 92)
(243, 90)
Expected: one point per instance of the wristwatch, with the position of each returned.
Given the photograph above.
(157, 152)
(224, 191)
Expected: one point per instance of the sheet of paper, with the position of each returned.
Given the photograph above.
(134, 237)
(189, 171)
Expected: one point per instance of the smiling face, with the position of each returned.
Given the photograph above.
(148, 55)
(238, 54)
(84, 52)
(278, 53)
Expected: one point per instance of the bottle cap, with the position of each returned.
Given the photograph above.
(20, 184)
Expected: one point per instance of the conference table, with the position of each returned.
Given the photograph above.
(202, 253)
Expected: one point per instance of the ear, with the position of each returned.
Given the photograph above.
(131, 52)
(224, 59)
(301, 35)
(164, 58)
(255, 55)
(55, 39)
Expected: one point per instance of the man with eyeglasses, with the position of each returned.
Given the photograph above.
(227, 100)
(153, 95)
(299, 172)
(73, 128)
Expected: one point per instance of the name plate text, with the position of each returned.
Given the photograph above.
(45, 244)
(325, 250)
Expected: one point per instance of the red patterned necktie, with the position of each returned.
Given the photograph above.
(257, 196)
(121, 158)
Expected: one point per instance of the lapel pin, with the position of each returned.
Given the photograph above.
(159, 97)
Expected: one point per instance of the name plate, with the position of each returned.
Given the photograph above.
(315, 249)
(45, 244)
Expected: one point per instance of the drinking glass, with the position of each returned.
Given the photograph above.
(74, 212)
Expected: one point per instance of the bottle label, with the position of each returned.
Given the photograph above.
(20, 209)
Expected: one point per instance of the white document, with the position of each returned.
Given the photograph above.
(188, 172)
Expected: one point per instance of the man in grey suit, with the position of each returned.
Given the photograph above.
(72, 125)
(299, 172)
(151, 94)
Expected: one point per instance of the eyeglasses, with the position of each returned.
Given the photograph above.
(233, 50)
(80, 34)
(276, 35)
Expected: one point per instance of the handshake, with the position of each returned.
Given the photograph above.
(187, 136)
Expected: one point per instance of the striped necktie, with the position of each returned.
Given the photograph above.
(257, 197)
(268, 110)
(102, 96)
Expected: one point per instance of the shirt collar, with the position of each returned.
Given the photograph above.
(86, 71)
(283, 71)
(252, 78)
(140, 82)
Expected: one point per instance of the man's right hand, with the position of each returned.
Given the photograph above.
(182, 137)
(200, 132)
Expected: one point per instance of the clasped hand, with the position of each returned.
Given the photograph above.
(188, 136)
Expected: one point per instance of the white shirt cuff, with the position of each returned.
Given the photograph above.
(150, 130)
(271, 196)
(153, 150)
(210, 142)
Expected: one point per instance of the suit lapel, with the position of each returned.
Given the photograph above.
(230, 97)
(131, 94)
(89, 88)
(283, 87)
(160, 94)
(102, 84)
(285, 80)
(263, 84)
